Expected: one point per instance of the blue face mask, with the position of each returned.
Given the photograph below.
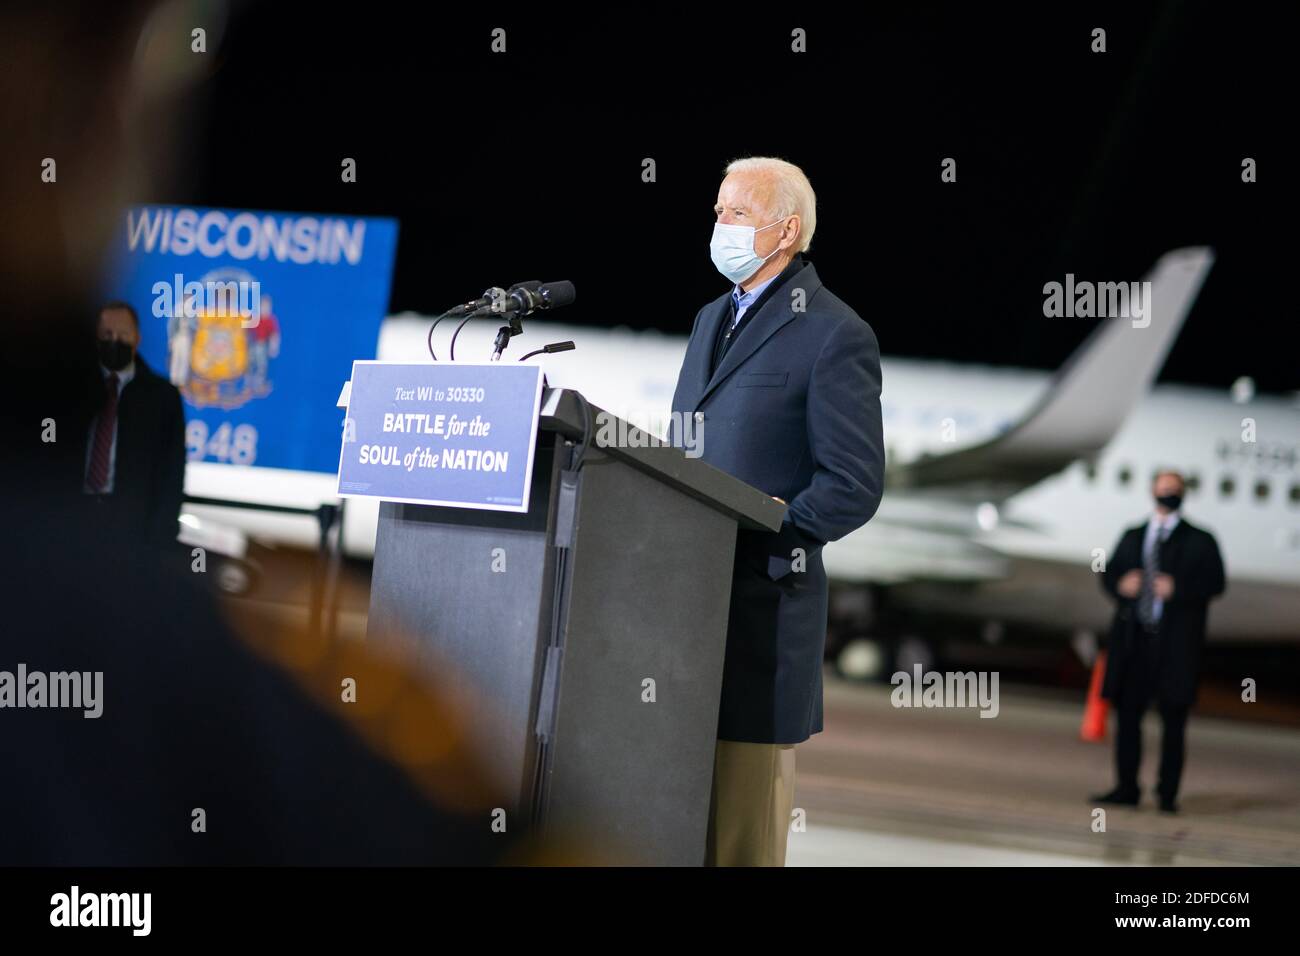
(732, 250)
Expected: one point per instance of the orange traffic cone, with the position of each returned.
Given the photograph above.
(1097, 707)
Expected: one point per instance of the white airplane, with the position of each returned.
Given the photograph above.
(1004, 487)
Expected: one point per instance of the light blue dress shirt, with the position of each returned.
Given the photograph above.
(743, 300)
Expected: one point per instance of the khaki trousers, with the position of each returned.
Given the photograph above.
(753, 797)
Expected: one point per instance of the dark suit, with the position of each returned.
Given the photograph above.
(793, 409)
(149, 475)
(1160, 664)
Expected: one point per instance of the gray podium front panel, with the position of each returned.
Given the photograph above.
(556, 651)
(433, 582)
(648, 596)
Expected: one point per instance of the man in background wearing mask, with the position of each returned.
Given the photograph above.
(134, 472)
(1163, 575)
(781, 380)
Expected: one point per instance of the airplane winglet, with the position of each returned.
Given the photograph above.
(1087, 400)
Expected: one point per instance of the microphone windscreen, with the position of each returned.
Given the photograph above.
(557, 294)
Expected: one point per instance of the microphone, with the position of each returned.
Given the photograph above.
(527, 300)
(484, 304)
(486, 299)
(557, 294)
(519, 300)
(550, 349)
(481, 306)
(529, 297)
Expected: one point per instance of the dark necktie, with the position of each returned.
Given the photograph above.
(104, 428)
(1150, 568)
(730, 329)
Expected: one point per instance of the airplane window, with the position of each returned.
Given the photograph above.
(1261, 490)
(1295, 494)
(1125, 475)
(1090, 470)
(1193, 482)
(1226, 487)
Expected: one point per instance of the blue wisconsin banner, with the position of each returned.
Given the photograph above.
(256, 317)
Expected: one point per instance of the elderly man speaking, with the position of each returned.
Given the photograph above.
(783, 380)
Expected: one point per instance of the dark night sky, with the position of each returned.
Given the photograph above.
(528, 165)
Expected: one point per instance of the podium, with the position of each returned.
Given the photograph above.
(589, 632)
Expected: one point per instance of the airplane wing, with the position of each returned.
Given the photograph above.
(1085, 403)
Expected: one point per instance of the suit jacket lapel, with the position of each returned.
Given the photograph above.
(711, 322)
(1171, 545)
(772, 316)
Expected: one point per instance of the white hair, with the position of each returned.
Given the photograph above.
(792, 194)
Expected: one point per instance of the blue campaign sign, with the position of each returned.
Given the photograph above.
(455, 434)
(255, 317)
